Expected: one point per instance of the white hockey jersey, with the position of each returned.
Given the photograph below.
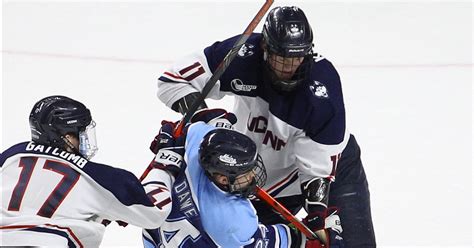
(299, 136)
(51, 197)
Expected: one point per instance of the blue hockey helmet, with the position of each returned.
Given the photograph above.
(288, 43)
(233, 155)
(53, 117)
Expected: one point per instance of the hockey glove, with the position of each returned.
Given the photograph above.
(215, 117)
(169, 150)
(165, 138)
(330, 222)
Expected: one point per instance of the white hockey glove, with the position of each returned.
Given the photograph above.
(169, 150)
(215, 117)
(329, 222)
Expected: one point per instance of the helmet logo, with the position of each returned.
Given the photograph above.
(71, 122)
(226, 158)
(246, 50)
(319, 90)
(296, 31)
(294, 28)
(238, 85)
(296, 50)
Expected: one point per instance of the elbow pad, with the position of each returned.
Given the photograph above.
(316, 194)
(183, 104)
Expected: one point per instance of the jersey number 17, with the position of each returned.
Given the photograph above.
(62, 189)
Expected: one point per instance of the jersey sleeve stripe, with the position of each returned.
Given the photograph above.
(168, 77)
(193, 66)
(173, 75)
(278, 187)
(70, 243)
(166, 80)
(154, 182)
(73, 241)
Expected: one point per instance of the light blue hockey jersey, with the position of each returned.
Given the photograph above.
(205, 216)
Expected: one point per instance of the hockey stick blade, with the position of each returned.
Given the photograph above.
(223, 66)
(263, 195)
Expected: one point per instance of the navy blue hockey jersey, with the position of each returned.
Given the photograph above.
(299, 136)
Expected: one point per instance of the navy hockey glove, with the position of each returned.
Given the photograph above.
(328, 221)
(215, 117)
(169, 150)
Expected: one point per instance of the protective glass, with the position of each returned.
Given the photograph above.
(87, 141)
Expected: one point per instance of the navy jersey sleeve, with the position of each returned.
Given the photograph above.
(328, 119)
(318, 147)
(130, 202)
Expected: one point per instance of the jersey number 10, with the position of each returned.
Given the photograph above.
(62, 189)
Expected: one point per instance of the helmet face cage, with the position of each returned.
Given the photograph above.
(245, 184)
(287, 38)
(233, 155)
(274, 67)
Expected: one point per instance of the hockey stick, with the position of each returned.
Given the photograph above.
(217, 74)
(263, 195)
(223, 66)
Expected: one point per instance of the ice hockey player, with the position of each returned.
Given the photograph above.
(53, 196)
(288, 99)
(219, 172)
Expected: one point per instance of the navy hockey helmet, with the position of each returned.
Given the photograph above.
(234, 155)
(288, 44)
(55, 116)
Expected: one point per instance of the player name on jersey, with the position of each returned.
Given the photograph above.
(186, 203)
(71, 157)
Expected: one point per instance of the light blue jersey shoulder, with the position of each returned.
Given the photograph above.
(229, 220)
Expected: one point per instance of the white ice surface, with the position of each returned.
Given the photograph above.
(406, 70)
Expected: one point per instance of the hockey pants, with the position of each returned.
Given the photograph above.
(349, 193)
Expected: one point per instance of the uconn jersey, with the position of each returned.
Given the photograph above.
(299, 136)
(205, 216)
(51, 197)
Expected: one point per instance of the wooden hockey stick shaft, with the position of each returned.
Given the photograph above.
(264, 196)
(223, 66)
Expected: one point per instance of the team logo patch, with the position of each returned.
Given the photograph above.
(319, 90)
(238, 85)
(294, 28)
(246, 50)
(226, 158)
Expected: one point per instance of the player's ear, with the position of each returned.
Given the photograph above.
(71, 140)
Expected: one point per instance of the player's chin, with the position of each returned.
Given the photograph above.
(285, 75)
